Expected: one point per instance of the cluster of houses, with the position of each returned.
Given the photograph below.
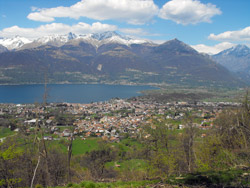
(110, 120)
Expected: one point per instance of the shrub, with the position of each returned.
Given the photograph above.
(69, 185)
(87, 184)
(38, 186)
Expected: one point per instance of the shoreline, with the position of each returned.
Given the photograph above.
(87, 83)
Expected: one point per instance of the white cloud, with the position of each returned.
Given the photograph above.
(35, 8)
(137, 32)
(240, 35)
(56, 28)
(188, 11)
(40, 17)
(133, 31)
(213, 49)
(130, 11)
(159, 41)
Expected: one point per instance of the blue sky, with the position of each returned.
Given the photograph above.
(208, 25)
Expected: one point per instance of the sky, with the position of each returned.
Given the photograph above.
(209, 26)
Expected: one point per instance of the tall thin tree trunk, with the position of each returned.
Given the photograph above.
(69, 158)
(34, 175)
(45, 152)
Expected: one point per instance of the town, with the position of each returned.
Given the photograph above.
(110, 120)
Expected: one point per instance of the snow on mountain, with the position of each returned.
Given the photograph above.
(53, 40)
(238, 51)
(107, 35)
(56, 38)
(14, 43)
(123, 40)
(3, 49)
(96, 39)
(236, 59)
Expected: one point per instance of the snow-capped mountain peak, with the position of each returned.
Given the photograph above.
(96, 39)
(14, 43)
(71, 36)
(238, 51)
(107, 35)
(61, 39)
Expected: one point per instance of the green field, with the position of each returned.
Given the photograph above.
(78, 147)
(83, 146)
(181, 93)
(4, 132)
(117, 184)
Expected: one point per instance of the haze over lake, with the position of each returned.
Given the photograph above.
(72, 93)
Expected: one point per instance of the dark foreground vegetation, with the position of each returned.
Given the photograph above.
(157, 155)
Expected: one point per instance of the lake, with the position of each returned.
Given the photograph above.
(72, 93)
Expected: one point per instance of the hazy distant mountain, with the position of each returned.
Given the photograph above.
(3, 49)
(236, 59)
(111, 58)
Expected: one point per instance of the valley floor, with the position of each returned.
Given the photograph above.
(155, 140)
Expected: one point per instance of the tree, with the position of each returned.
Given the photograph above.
(232, 127)
(154, 137)
(211, 155)
(9, 155)
(188, 139)
(95, 161)
(57, 166)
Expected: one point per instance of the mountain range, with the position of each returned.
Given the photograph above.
(108, 58)
(96, 39)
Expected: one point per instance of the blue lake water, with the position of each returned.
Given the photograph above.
(72, 93)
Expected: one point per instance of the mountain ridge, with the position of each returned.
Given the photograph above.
(238, 50)
(3, 48)
(21, 43)
(104, 59)
(237, 60)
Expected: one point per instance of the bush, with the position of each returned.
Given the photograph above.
(38, 186)
(69, 185)
(87, 184)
